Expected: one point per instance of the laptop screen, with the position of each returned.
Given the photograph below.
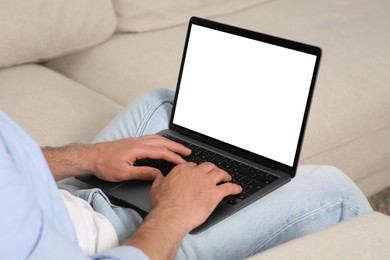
(244, 92)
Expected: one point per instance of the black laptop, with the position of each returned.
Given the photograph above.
(242, 102)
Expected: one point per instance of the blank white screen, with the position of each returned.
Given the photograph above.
(244, 92)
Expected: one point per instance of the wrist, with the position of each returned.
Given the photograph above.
(93, 160)
(84, 156)
(170, 218)
(159, 236)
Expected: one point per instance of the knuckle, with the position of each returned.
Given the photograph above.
(209, 164)
(182, 166)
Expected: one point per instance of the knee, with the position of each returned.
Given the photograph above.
(334, 183)
(161, 94)
(323, 173)
(326, 176)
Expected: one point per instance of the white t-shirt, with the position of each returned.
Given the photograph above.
(94, 231)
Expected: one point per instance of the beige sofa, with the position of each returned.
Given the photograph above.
(67, 67)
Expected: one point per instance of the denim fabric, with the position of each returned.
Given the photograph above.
(318, 197)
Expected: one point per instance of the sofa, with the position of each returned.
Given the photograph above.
(68, 67)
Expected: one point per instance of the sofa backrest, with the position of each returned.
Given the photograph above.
(38, 30)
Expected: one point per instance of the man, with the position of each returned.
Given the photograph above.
(38, 221)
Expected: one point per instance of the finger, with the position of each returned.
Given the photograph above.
(171, 145)
(207, 167)
(163, 153)
(184, 167)
(177, 148)
(219, 175)
(157, 181)
(143, 173)
(228, 188)
(191, 164)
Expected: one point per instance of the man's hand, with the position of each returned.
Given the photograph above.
(115, 161)
(192, 192)
(181, 201)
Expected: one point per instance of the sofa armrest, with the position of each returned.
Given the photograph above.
(363, 237)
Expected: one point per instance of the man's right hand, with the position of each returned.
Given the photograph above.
(192, 192)
(182, 200)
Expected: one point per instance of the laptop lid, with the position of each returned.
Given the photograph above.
(245, 92)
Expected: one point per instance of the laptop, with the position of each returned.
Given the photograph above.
(242, 102)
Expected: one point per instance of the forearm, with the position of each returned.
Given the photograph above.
(70, 160)
(158, 236)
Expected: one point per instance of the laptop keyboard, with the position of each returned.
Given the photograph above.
(250, 179)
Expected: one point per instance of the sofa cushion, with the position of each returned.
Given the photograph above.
(362, 237)
(140, 15)
(42, 29)
(128, 65)
(53, 109)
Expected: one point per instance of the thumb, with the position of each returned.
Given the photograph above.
(159, 177)
(144, 173)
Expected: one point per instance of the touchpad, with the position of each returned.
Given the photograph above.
(135, 193)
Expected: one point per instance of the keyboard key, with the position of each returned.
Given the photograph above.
(241, 196)
(232, 200)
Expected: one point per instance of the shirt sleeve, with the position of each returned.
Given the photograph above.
(122, 252)
(33, 222)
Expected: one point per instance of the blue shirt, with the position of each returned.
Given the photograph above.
(34, 222)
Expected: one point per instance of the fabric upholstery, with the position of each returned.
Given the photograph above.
(362, 237)
(43, 29)
(133, 64)
(140, 15)
(53, 109)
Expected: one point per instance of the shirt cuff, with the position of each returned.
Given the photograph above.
(122, 252)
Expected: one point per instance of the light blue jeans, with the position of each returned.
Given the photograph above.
(318, 197)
